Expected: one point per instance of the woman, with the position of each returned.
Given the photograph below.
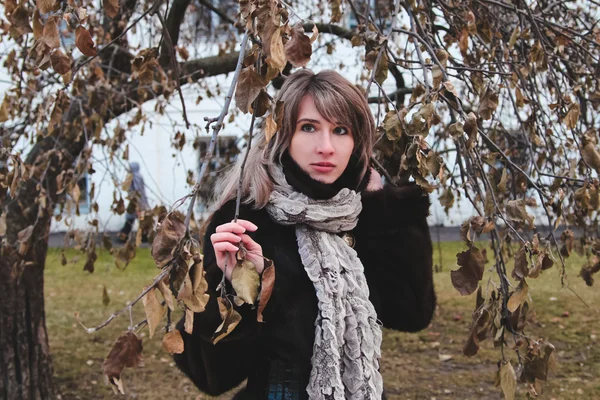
(349, 255)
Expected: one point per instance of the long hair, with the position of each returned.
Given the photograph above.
(336, 99)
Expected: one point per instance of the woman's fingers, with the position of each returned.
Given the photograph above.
(225, 247)
(247, 224)
(225, 237)
(240, 226)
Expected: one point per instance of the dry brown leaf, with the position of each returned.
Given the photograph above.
(111, 8)
(245, 281)
(516, 211)
(45, 6)
(521, 269)
(381, 73)
(250, 83)
(230, 317)
(154, 310)
(538, 361)
(298, 49)
(266, 289)
(188, 325)
(61, 64)
(518, 296)
(572, 116)
(50, 33)
(315, 33)
(466, 278)
(173, 342)
(38, 26)
(591, 156)
(125, 353)
(84, 42)
(168, 234)
(105, 298)
(506, 379)
(488, 103)
(277, 57)
(270, 127)
(164, 289)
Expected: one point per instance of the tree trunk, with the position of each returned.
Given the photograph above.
(25, 363)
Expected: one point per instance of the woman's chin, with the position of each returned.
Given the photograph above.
(327, 179)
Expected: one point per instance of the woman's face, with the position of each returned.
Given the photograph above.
(321, 148)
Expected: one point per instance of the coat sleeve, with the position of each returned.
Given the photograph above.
(212, 367)
(394, 245)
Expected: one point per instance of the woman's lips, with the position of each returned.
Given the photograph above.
(323, 167)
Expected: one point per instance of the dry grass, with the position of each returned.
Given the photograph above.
(411, 364)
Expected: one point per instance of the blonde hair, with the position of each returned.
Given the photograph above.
(336, 99)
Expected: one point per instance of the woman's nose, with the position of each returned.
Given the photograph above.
(325, 145)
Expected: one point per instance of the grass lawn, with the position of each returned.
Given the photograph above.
(412, 363)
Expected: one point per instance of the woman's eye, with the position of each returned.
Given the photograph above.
(340, 130)
(308, 128)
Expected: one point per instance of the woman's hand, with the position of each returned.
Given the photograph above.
(226, 242)
(374, 181)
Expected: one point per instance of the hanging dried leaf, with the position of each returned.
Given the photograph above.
(262, 104)
(60, 62)
(193, 291)
(167, 294)
(515, 210)
(572, 116)
(50, 33)
(154, 310)
(267, 282)
(111, 8)
(168, 234)
(270, 127)
(488, 103)
(298, 49)
(521, 269)
(381, 73)
(105, 298)
(591, 156)
(506, 379)
(124, 255)
(188, 325)
(538, 361)
(392, 124)
(230, 317)
(38, 26)
(84, 42)
(467, 277)
(126, 353)
(45, 6)
(277, 57)
(249, 85)
(518, 296)
(173, 342)
(245, 281)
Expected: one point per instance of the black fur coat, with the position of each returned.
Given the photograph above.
(394, 245)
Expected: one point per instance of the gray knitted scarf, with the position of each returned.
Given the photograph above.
(347, 347)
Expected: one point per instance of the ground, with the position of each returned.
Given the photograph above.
(424, 365)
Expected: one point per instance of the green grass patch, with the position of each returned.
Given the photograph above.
(424, 365)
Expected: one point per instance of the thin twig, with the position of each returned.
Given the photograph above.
(165, 271)
(216, 128)
(174, 64)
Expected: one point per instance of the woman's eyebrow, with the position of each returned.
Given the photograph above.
(314, 121)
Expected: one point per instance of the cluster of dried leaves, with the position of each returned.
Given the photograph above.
(494, 102)
(182, 282)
